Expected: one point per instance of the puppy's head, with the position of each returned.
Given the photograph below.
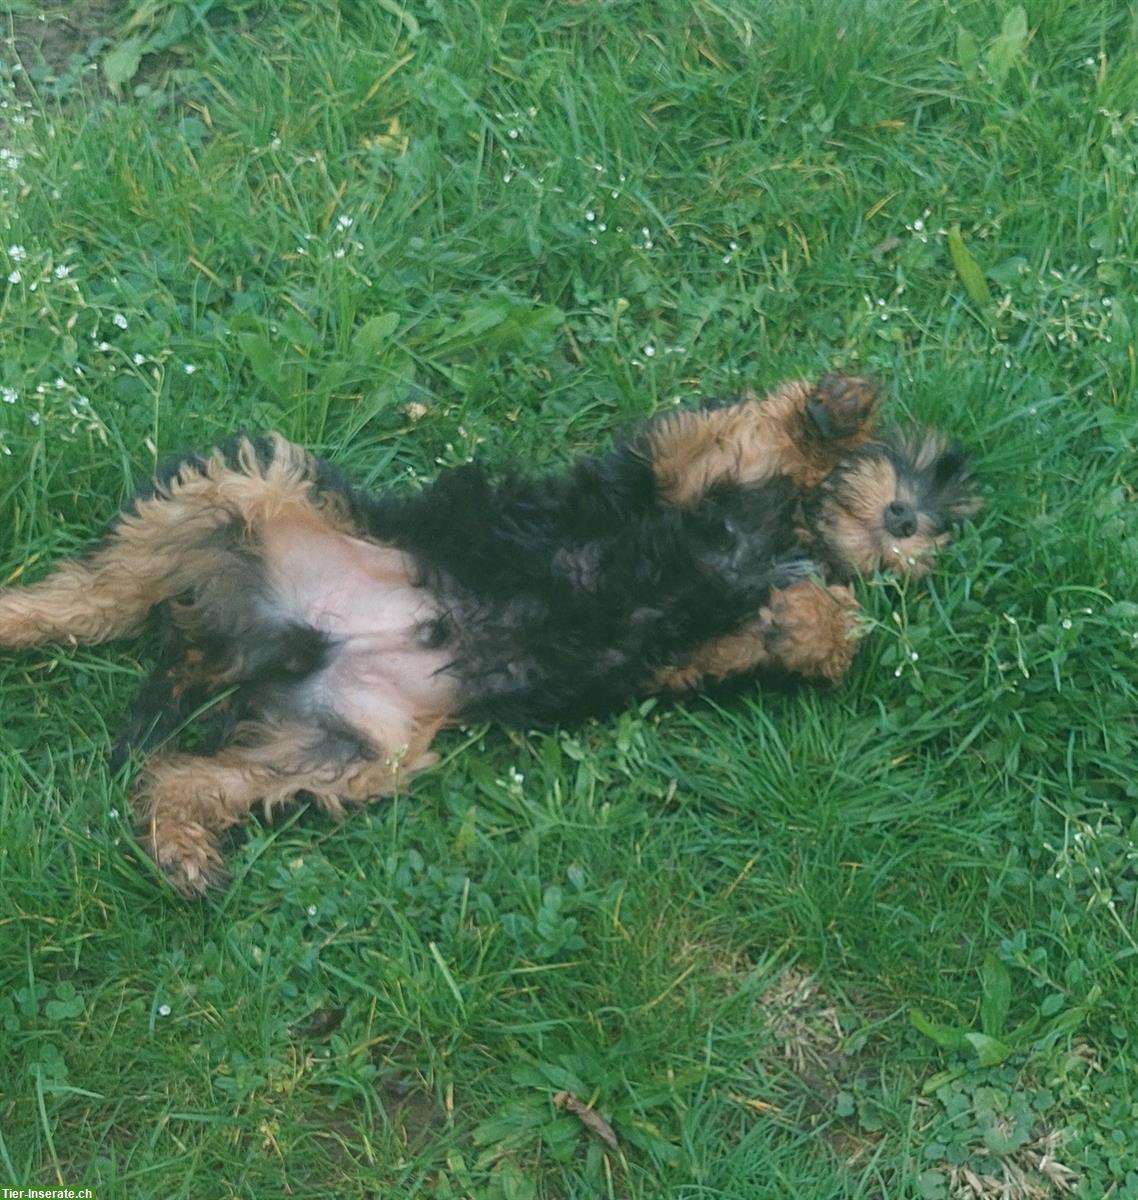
(890, 505)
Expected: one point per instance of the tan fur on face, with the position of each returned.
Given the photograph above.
(848, 525)
(758, 439)
(851, 523)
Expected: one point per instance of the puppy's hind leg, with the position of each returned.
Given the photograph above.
(184, 802)
(160, 546)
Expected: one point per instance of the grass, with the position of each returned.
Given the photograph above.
(877, 942)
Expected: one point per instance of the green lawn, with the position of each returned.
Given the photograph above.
(872, 942)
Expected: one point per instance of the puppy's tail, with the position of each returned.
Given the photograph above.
(161, 546)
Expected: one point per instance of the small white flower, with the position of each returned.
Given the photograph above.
(188, 368)
(60, 383)
(918, 225)
(103, 346)
(511, 133)
(138, 359)
(14, 277)
(311, 910)
(113, 814)
(1066, 623)
(35, 418)
(163, 1010)
(590, 215)
(649, 351)
(119, 320)
(339, 252)
(62, 271)
(17, 253)
(9, 395)
(913, 656)
(344, 222)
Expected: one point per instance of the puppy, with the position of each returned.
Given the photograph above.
(334, 632)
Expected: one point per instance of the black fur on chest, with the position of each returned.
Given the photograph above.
(562, 596)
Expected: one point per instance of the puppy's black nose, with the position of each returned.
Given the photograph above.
(900, 520)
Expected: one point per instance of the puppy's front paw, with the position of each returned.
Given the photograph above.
(811, 630)
(843, 406)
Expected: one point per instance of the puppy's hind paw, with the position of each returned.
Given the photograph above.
(188, 856)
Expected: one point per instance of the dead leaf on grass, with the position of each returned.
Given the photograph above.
(589, 1117)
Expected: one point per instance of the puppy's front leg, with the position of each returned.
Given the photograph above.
(806, 629)
(801, 430)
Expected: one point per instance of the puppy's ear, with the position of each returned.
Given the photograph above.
(952, 481)
(953, 465)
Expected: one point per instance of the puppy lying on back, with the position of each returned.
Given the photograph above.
(334, 632)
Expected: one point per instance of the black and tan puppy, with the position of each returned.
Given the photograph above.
(334, 632)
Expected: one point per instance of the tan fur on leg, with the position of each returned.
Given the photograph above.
(160, 548)
(807, 630)
(812, 630)
(184, 801)
(800, 430)
(734, 654)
